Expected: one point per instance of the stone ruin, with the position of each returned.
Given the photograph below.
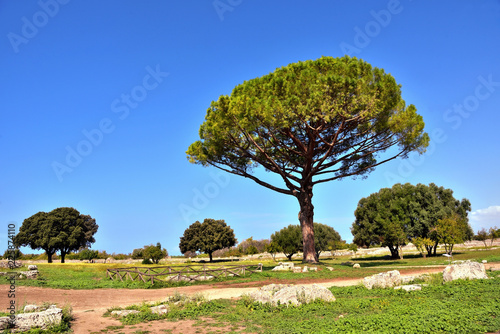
(290, 266)
(464, 270)
(291, 294)
(41, 318)
(383, 280)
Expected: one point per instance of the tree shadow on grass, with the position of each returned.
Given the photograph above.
(215, 261)
(368, 264)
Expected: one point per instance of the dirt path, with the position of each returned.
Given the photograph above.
(89, 305)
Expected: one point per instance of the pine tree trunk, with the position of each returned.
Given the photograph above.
(210, 255)
(63, 256)
(306, 218)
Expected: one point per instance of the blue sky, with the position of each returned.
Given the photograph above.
(101, 99)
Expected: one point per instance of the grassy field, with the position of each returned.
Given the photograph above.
(93, 276)
(455, 307)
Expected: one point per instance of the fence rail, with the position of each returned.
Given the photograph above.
(181, 273)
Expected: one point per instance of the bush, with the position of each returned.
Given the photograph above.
(154, 253)
(87, 254)
(146, 261)
(73, 256)
(103, 255)
(120, 256)
(137, 253)
(16, 254)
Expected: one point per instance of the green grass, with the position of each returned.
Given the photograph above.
(93, 276)
(456, 307)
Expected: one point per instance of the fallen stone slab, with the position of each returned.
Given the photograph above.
(356, 265)
(465, 270)
(32, 267)
(291, 294)
(284, 266)
(160, 309)
(26, 321)
(123, 313)
(30, 274)
(388, 279)
(11, 264)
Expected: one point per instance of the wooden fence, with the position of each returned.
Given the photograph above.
(181, 273)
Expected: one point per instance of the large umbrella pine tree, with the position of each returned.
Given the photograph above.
(309, 122)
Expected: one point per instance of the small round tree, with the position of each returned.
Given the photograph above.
(288, 240)
(154, 253)
(207, 237)
(324, 237)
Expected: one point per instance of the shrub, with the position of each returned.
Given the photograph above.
(154, 253)
(87, 254)
(137, 253)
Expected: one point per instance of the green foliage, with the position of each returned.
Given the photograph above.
(324, 237)
(13, 254)
(103, 254)
(394, 216)
(146, 261)
(288, 240)
(450, 230)
(180, 307)
(88, 254)
(421, 244)
(493, 233)
(352, 247)
(155, 253)
(207, 237)
(309, 122)
(459, 307)
(63, 229)
(335, 245)
(482, 235)
(137, 253)
(273, 248)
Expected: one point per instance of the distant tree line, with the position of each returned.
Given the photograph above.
(425, 215)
